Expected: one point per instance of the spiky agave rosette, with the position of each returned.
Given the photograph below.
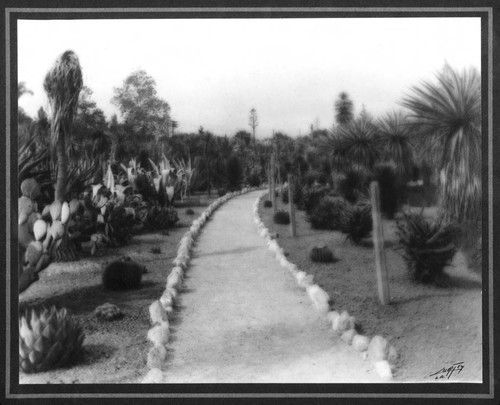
(48, 338)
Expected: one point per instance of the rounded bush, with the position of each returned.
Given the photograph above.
(322, 255)
(268, 204)
(122, 275)
(189, 211)
(221, 192)
(282, 218)
(48, 339)
(327, 214)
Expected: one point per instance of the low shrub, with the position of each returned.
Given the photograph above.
(122, 274)
(155, 250)
(48, 339)
(327, 214)
(282, 217)
(189, 211)
(428, 246)
(312, 196)
(221, 192)
(356, 222)
(268, 203)
(322, 255)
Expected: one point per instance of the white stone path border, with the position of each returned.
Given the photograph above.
(161, 311)
(378, 350)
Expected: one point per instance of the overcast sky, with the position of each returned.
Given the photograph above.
(213, 71)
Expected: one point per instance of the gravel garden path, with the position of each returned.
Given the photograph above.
(243, 319)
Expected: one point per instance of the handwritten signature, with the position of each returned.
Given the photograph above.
(447, 372)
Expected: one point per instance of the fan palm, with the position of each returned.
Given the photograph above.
(448, 113)
(62, 85)
(394, 138)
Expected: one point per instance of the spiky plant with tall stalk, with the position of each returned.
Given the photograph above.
(448, 113)
(394, 139)
(62, 85)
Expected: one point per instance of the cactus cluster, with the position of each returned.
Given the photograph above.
(122, 274)
(48, 339)
(322, 255)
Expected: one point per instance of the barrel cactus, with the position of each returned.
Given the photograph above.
(268, 204)
(282, 217)
(322, 255)
(48, 339)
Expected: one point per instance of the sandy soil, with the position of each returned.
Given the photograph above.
(115, 351)
(431, 327)
(244, 320)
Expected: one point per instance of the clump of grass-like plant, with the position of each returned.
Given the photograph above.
(357, 223)
(429, 246)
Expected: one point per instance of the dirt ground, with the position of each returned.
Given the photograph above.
(431, 327)
(114, 351)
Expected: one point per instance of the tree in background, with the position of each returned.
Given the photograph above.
(343, 109)
(448, 114)
(146, 116)
(253, 121)
(63, 84)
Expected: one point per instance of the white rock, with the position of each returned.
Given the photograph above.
(178, 270)
(360, 343)
(345, 322)
(348, 336)
(174, 281)
(304, 280)
(319, 298)
(159, 334)
(154, 376)
(180, 263)
(383, 369)
(167, 300)
(378, 349)
(156, 357)
(157, 313)
(333, 318)
(283, 261)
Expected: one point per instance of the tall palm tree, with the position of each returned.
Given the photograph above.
(62, 85)
(394, 135)
(448, 113)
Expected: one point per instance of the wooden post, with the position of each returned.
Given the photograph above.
(269, 179)
(273, 186)
(293, 228)
(378, 244)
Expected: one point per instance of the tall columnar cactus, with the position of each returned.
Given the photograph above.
(48, 339)
(62, 85)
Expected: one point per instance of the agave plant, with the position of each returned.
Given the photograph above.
(48, 339)
(357, 223)
(448, 115)
(428, 246)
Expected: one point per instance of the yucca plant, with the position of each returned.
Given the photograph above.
(353, 143)
(391, 188)
(428, 246)
(327, 214)
(394, 140)
(448, 116)
(353, 184)
(356, 222)
(48, 338)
